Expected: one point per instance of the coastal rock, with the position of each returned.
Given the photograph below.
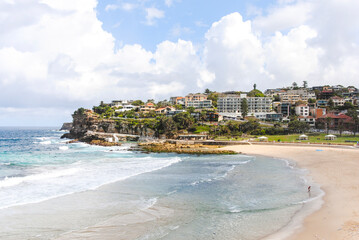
(66, 127)
(161, 147)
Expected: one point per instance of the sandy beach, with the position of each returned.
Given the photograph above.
(336, 171)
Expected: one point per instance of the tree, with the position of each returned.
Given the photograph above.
(244, 108)
(183, 120)
(214, 97)
(255, 93)
(79, 111)
(297, 126)
(137, 103)
(166, 125)
(312, 100)
(305, 84)
(353, 114)
(207, 91)
(255, 86)
(295, 85)
(190, 110)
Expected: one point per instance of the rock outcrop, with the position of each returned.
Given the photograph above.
(66, 127)
(88, 127)
(183, 147)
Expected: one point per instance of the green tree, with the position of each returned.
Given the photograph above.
(190, 110)
(178, 106)
(353, 114)
(244, 108)
(138, 103)
(311, 100)
(295, 85)
(214, 97)
(255, 86)
(79, 111)
(255, 93)
(166, 125)
(207, 91)
(297, 126)
(183, 120)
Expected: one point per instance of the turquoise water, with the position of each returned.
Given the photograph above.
(50, 189)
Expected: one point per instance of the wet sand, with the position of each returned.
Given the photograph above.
(337, 172)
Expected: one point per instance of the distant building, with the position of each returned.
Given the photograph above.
(322, 103)
(199, 104)
(125, 108)
(198, 100)
(174, 112)
(284, 109)
(302, 110)
(293, 96)
(147, 107)
(318, 112)
(232, 104)
(336, 121)
(308, 119)
(177, 100)
(338, 101)
(164, 110)
(120, 103)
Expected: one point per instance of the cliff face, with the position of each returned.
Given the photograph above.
(66, 127)
(87, 122)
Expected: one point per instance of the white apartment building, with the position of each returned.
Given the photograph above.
(199, 103)
(232, 104)
(302, 110)
(338, 101)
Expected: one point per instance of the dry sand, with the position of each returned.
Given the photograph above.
(337, 172)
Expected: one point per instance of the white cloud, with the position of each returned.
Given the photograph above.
(55, 55)
(289, 58)
(234, 53)
(111, 7)
(153, 14)
(178, 30)
(124, 6)
(168, 3)
(284, 17)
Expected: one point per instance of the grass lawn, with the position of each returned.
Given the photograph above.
(295, 138)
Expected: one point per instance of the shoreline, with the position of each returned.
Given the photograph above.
(334, 170)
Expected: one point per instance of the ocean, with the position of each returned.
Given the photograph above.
(53, 190)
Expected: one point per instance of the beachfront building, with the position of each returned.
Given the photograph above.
(232, 104)
(284, 109)
(302, 110)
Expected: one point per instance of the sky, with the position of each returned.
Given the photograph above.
(57, 56)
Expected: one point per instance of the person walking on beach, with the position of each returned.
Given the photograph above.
(309, 189)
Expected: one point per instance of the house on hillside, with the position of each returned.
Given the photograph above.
(147, 107)
(164, 110)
